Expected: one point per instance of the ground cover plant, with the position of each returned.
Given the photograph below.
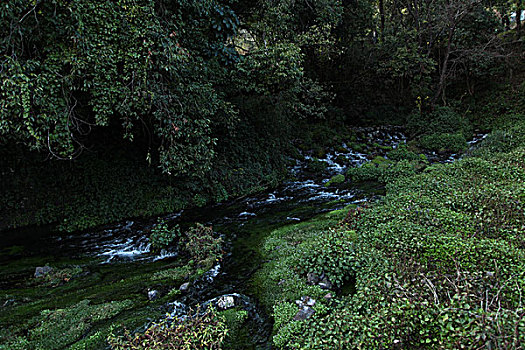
(437, 263)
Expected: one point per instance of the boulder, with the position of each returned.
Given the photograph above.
(304, 313)
(225, 302)
(41, 271)
(305, 301)
(325, 283)
(312, 278)
(153, 294)
(184, 287)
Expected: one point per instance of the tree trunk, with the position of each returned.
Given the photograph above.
(382, 15)
(442, 75)
(518, 17)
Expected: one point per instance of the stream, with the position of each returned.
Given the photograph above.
(113, 252)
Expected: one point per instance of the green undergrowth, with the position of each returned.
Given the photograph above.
(438, 263)
(99, 188)
(442, 130)
(399, 162)
(80, 302)
(199, 330)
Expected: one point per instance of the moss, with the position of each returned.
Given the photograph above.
(55, 329)
(336, 179)
(379, 160)
(236, 322)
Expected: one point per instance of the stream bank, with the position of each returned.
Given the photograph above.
(113, 269)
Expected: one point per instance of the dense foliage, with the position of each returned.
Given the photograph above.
(116, 109)
(438, 263)
(213, 92)
(199, 331)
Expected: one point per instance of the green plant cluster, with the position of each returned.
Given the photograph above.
(336, 179)
(442, 129)
(398, 162)
(438, 263)
(384, 171)
(57, 329)
(161, 236)
(58, 277)
(203, 245)
(206, 330)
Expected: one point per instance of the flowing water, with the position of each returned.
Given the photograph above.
(113, 252)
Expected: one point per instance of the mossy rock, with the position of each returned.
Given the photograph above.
(379, 160)
(385, 148)
(316, 166)
(320, 153)
(337, 179)
(359, 147)
(444, 142)
(341, 159)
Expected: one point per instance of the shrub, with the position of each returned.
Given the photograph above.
(202, 244)
(198, 331)
(444, 142)
(162, 236)
(330, 253)
(443, 120)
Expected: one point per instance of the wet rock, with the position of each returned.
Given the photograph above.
(312, 278)
(184, 287)
(303, 314)
(153, 294)
(305, 301)
(325, 283)
(9, 302)
(177, 310)
(41, 271)
(226, 302)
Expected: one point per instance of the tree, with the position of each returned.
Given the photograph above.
(70, 67)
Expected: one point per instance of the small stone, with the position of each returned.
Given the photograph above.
(328, 296)
(303, 314)
(325, 283)
(310, 301)
(153, 294)
(41, 271)
(184, 287)
(9, 302)
(312, 278)
(225, 302)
